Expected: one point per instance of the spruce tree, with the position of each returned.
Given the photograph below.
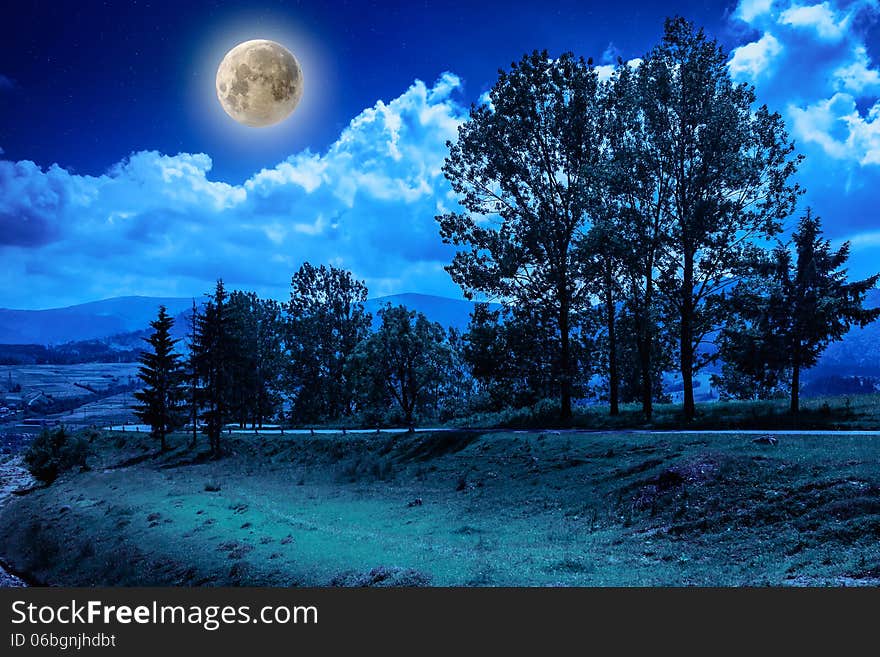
(161, 373)
(213, 352)
(796, 302)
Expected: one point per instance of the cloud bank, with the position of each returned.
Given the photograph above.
(813, 63)
(158, 224)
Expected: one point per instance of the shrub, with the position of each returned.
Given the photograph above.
(53, 452)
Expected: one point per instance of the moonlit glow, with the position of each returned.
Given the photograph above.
(313, 52)
(259, 83)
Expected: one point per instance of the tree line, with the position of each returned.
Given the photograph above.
(313, 360)
(622, 223)
(630, 212)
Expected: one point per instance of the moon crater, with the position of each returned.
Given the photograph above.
(259, 83)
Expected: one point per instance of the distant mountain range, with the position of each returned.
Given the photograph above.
(120, 323)
(87, 321)
(113, 318)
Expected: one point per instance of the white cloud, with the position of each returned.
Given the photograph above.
(157, 224)
(822, 18)
(605, 71)
(827, 87)
(856, 75)
(862, 241)
(748, 10)
(811, 59)
(755, 59)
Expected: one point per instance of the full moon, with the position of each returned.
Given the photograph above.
(259, 83)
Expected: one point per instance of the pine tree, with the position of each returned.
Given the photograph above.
(796, 302)
(213, 352)
(192, 375)
(162, 376)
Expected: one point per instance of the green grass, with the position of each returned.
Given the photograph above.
(829, 412)
(533, 509)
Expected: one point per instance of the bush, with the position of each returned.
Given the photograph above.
(53, 452)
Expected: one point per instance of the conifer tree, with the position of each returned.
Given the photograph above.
(796, 302)
(161, 373)
(213, 352)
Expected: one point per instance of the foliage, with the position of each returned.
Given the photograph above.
(256, 330)
(162, 376)
(325, 322)
(524, 168)
(55, 451)
(403, 363)
(513, 355)
(795, 303)
(725, 182)
(213, 355)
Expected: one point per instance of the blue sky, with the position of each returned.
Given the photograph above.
(120, 174)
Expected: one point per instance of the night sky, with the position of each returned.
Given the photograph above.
(121, 175)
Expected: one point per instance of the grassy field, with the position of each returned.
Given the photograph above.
(535, 509)
(829, 412)
(77, 395)
(62, 381)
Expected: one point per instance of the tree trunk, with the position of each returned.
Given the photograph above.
(565, 355)
(686, 346)
(795, 388)
(646, 344)
(644, 347)
(408, 416)
(613, 374)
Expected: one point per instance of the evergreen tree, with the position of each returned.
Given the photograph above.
(795, 303)
(192, 375)
(213, 354)
(162, 376)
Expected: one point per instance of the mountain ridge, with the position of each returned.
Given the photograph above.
(106, 318)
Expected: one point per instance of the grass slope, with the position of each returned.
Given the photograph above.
(459, 509)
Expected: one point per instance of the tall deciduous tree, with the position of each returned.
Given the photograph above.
(728, 167)
(162, 376)
(523, 168)
(405, 360)
(256, 330)
(638, 184)
(326, 321)
(796, 302)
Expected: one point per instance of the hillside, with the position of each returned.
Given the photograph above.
(101, 320)
(447, 312)
(457, 509)
(87, 321)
